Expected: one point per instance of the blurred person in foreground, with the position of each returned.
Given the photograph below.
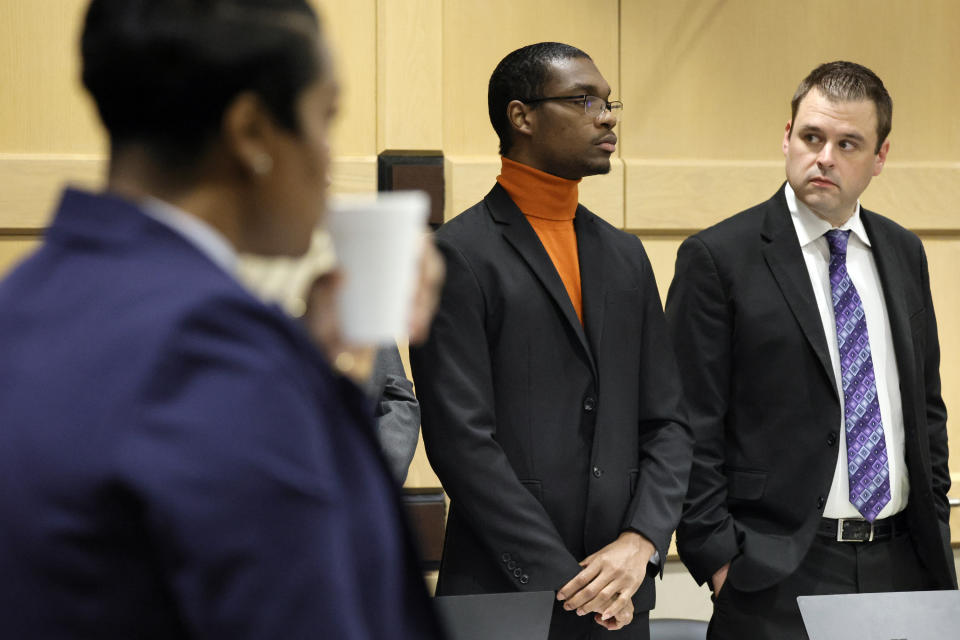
(286, 281)
(179, 459)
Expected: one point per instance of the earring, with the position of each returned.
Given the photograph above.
(262, 164)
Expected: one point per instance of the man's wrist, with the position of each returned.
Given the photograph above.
(641, 544)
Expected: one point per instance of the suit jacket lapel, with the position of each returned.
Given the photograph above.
(891, 270)
(518, 232)
(590, 252)
(782, 252)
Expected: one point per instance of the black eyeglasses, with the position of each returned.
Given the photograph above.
(592, 105)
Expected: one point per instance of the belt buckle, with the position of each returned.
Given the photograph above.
(854, 530)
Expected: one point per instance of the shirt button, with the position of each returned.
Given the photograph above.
(589, 404)
(511, 565)
(597, 472)
(517, 573)
(831, 439)
(505, 557)
(524, 579)
(820, 502)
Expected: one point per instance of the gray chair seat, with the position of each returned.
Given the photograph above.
(676, 629)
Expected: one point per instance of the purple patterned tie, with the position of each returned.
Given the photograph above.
(866, 448)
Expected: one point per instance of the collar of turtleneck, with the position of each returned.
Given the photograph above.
(538, 193)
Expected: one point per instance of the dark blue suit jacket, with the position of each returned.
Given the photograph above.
(177, 460)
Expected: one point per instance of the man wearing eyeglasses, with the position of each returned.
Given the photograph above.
(548, 389)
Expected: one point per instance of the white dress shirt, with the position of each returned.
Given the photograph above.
(204, 237)
(862, 269)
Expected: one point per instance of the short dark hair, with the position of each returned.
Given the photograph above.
(162, 72)
(521, 75)
(843, 81)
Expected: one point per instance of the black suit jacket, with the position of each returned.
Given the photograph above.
(551, 438)
(764, 405)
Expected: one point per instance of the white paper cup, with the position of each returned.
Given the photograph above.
(378, 241)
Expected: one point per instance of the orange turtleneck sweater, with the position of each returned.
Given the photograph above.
(549, 204)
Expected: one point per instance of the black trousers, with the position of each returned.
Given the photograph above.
(830, 567)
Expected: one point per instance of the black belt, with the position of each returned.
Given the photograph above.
(859, 530)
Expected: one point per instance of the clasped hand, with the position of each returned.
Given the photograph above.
(609, 578)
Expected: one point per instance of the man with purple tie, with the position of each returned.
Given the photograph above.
(808, 347)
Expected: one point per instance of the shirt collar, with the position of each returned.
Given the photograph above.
(811, 227)
(204, 237)
(537, 193)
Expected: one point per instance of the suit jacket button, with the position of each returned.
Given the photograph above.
(511, 565)
(589, 404)
(820, 502)
(524, 579)
(831, 439)
(505, 557)
(517, 572)
(597, 472)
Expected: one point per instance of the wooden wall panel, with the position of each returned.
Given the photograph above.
(694, 194)
(690, 195)
(50, 112)
(943, 256)
(49, 134)
(920, 196)
(15, 248)
(44, 107)
(351, 30)
(707, 93)
(662, 251)
(604, 194)
(477, 35)
(32, 182)
(409, 78)
(714, 78)
(466, 180)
